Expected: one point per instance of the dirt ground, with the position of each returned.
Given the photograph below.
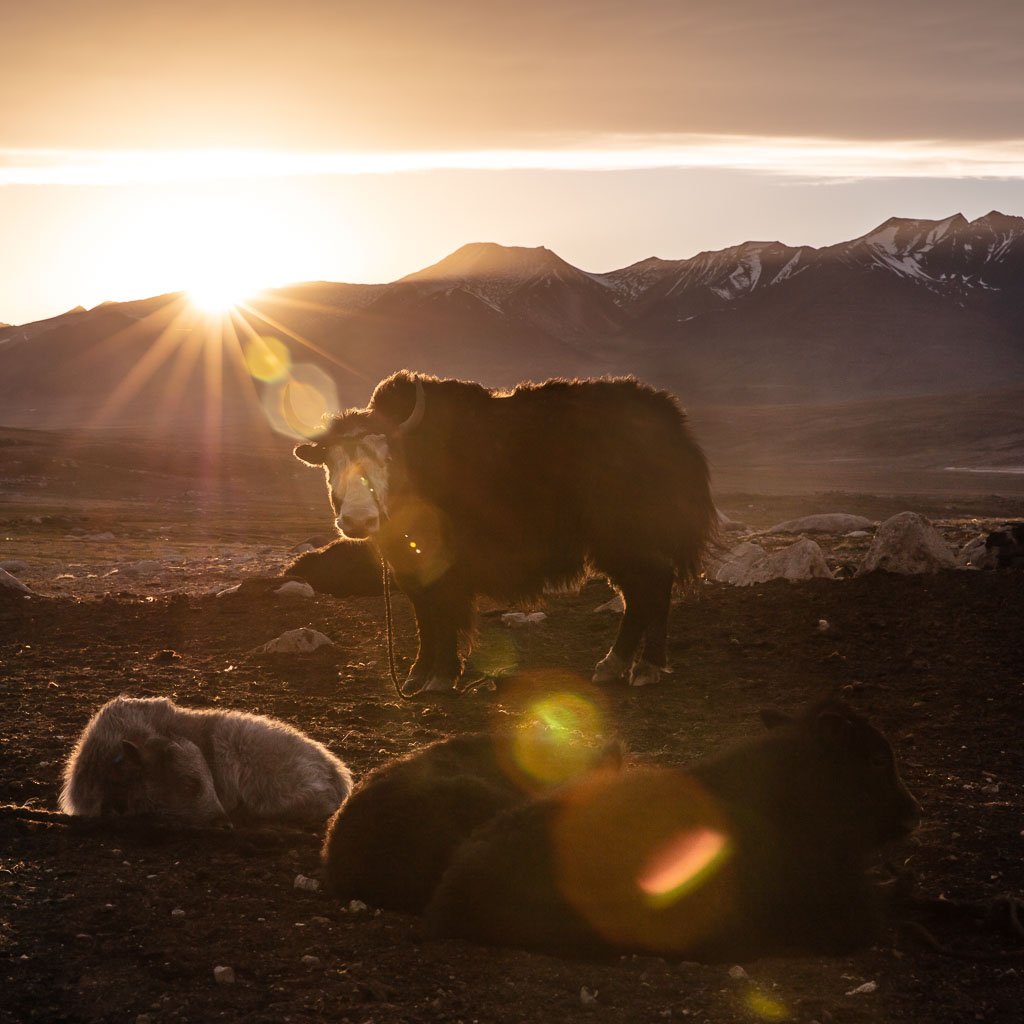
(129, 925)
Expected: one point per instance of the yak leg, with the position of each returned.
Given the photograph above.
(427, 652)
(450, 607)
(646, 593)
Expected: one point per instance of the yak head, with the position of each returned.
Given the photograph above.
(357, 453)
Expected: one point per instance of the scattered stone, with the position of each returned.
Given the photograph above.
(863, 990)
(736, 562)
(296, 641)
(907, 543)
(823, 625)
(307, 884)
(828, 522)
(737, 973)
(356, 907)
(976, 555)
(12, 584)
(588, 997)
(518, 619)
(802, 560)
(616, 606)
(311, 961)
(224, 975)
(301, 549)
(294, 588)
(177, 912)
(166, 655)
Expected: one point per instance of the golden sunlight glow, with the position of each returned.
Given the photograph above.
(214, 296)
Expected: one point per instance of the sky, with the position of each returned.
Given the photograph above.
(147, 147)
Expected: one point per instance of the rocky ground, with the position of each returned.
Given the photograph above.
(131, 925)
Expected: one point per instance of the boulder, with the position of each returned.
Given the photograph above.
(294, 588)
(802, 560)
(828, 522)
(616, 606)
(975, 554)
(736, 562)
(11, 585)
(907, 543)
(296, 641)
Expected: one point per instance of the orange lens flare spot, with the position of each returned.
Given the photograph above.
(297, 403)
(681, 864)
(267, 358)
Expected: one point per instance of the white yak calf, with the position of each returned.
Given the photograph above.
(149, 756)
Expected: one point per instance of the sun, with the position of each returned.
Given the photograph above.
(214, 296)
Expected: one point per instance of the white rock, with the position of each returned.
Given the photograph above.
(311, 961)
(736, 562)
(588, 997)
(9, 582)
(616, 606)
(518, 619)
(827, 522)
(975, 554)
(224, 975)
(737, 973)
(294, 588)
(14, 565)
(357, 907)
(823, 626)
(863, 990)
(907, 543)
(802, 560)
(296, 641)
(306, 884)
(177, 912)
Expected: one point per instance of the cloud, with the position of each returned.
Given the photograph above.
(820, 159)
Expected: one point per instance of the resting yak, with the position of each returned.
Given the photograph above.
(469, 491)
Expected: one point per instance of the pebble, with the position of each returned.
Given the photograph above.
(588, 997)
(307, 884)
(356, 907)
(177, 912)
(311, 961)
(863, 990)
(737, 973)
(224, 975)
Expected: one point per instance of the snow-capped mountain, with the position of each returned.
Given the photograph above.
(912, 307)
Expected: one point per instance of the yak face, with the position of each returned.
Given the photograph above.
(357, 479)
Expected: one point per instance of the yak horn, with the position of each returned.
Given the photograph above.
(416, 415)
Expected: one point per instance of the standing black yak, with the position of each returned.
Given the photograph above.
(470, 491)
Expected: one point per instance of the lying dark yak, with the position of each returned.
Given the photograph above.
(468, 491)
(394, 838)
(760, 851)
(343, 568)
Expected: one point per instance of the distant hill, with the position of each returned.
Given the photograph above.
(912, 308)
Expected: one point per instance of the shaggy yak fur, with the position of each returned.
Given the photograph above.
(343, 568)
(148, 756)
(760, 851)
(390, 844)
(468, 491)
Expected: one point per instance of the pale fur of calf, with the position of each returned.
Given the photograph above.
(149, 756)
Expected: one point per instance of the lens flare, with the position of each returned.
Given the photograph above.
(267, 358)
(765, 1007)
(682, 863)
(297, 403)
(555, 747)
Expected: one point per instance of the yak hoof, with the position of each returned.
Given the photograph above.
(645, 674)
(610, 669)
(439, 684)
